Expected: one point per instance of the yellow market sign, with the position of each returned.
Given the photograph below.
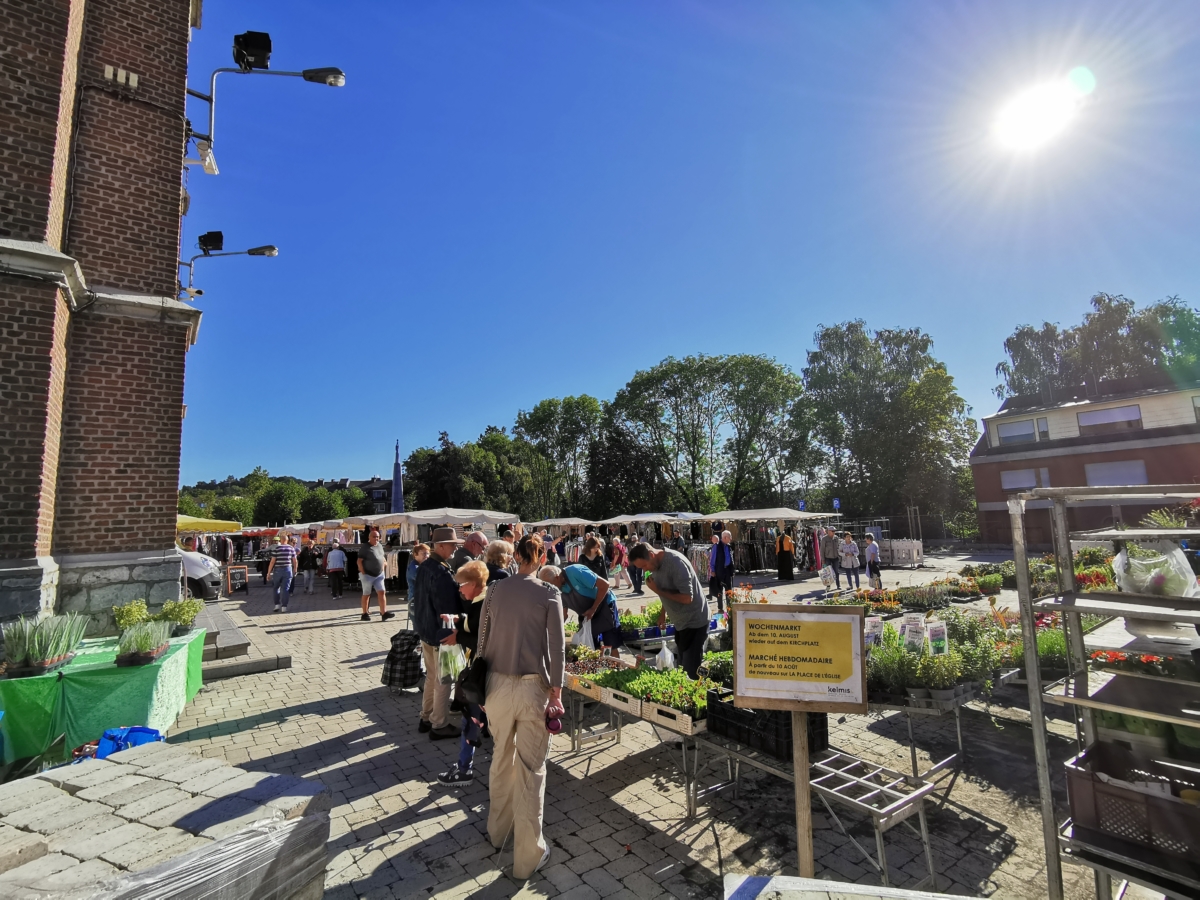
(799, 657)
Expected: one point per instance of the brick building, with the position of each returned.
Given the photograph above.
(378, 490)
(1127, 432)
(92, 339)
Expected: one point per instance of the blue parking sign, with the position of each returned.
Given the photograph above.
(837, 504)
(803, 505)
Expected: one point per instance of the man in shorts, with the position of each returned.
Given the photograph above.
(370, 572)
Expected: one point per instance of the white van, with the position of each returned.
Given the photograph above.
(201, 575)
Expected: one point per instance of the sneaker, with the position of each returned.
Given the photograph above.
(278, 607)
(444, 733)
(366, 617)
(424, 726)
(545, 859)
(284, 609)
(456, 778)
(383, 617)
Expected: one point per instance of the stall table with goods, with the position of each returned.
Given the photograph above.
(95, 688)
(1133, 787)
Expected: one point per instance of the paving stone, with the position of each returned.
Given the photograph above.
(84, 875)
(190, 843)
(19, 847)
(147, 788)
(121, 784)
(302, 800)
(56, 842)
(79, 776)
(236, 785)
(151, 754)
(170, 816)
(55, 815)
(193, 770)
(228, 824)
(127, 855)
(35, 870)
(146, 806)
(210, 779)
(162, 769)
(26, 792)
(90, 846)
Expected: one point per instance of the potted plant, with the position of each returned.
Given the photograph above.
(143, 643)
(940, 674)
(181, 614)
(132, 613)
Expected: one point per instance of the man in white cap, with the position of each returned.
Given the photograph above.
(437, 596)
(335, 568)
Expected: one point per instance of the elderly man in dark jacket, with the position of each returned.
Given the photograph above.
(437, 596)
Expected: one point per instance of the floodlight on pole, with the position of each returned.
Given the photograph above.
(252, 53)
(210, 244)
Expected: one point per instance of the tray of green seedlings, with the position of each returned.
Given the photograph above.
(583, 665)
(37, 647)
(143, 643)
(666, 698)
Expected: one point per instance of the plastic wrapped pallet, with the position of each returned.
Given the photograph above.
(266, 861)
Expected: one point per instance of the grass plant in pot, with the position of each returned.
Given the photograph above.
(35, 647)
(940, 674)
(143, 643)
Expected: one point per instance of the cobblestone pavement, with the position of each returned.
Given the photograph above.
(615, 814)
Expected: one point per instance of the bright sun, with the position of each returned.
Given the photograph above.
(1037, 115)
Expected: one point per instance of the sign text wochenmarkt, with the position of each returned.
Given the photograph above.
(798, 657)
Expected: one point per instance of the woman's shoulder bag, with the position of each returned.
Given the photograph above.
(471, 686)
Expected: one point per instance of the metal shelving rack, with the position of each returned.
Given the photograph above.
(1084, 692)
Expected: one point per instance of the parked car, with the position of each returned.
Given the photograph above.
(201, 575)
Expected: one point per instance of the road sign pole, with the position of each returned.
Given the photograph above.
(804, 840)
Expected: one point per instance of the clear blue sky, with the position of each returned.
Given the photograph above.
(515, 200)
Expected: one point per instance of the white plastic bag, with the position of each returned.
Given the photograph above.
(665, 659)
(1165, 574)
(451, 661)
(583, 637)
(826, 575)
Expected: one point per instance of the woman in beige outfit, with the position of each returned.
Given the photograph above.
(524, 646)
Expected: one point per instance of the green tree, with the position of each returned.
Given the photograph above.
(321, 504)
(624, 476)
(280, 503)
(234, 509)
(1114, 340)
(188, 506)
(889, 420)
(256, 483)
(677, 410)
(356, 501)
(563, 430)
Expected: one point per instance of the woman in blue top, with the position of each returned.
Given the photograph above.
(587, 594)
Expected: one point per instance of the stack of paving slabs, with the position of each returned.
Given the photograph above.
(159, 821)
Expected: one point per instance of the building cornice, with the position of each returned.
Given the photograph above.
(114, 302)
(1078, 448)
(32, 259)
(41, 262)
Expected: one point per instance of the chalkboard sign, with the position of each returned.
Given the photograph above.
(238, 579)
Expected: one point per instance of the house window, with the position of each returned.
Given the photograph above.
(380, 507)
(1116, 474)
(1024, 479)
(1110, 421)
(1043, 429)
(1018, 479)
(377, 495)
(1016, 432)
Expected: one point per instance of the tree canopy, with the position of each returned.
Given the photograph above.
(1114, 340)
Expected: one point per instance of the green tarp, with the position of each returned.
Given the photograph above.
(93, 694)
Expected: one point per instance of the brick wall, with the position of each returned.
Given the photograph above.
(33, 40)
(124, 220)
(31, 343)
(119, 472)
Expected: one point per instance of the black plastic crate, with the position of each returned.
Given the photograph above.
(768, 730)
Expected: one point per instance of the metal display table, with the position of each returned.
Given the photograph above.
(888, 798)
(577, 706)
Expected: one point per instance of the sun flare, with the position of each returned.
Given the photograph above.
(1039, 114)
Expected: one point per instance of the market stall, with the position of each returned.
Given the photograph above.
(755, 531)
(1134, 786)
(192, 524)
(91, 693)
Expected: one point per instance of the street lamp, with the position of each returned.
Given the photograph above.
(212, 243)
(252, 53)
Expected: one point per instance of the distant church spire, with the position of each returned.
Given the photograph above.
(397, 483)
